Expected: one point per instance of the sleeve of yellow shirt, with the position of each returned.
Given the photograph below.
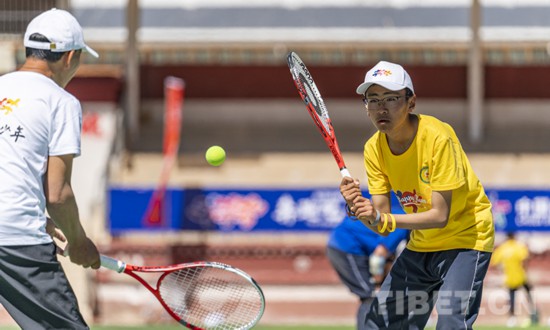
(448, 172)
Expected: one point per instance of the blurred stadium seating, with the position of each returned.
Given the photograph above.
(240, 95)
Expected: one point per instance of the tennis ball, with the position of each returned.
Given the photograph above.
(214, 319)
(215, 155)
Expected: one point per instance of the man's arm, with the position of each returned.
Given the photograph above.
(62, 208)
(366, 210)
(436, 217)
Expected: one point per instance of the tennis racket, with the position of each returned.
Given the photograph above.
(202, 295)
(316, 107)
(174, 94)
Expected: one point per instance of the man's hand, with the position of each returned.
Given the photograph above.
(360, 206)
(84, 253)
(364, 210)
(350, 190)
(377, 263)
(55, 233)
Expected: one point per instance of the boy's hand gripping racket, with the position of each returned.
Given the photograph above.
(202, 295)
(316, 107)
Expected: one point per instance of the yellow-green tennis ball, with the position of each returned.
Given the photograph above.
(215, 155)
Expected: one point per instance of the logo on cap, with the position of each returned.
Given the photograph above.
(381, 72)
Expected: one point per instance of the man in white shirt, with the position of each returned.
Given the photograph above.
(40, 126)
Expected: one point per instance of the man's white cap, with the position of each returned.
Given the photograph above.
(61, 28)
(388, 75)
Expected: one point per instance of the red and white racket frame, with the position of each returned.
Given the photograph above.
(316, 107)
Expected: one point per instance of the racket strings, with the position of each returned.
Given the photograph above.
(310, 93)
(212, 298)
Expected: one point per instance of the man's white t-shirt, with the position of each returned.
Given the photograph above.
(38, 119)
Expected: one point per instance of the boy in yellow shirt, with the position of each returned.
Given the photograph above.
(420, 158)
(512, 255)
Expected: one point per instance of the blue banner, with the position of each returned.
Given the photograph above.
(527, 210)
(230, 209)
(246, 210)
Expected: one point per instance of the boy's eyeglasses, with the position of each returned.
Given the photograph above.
(390, 102)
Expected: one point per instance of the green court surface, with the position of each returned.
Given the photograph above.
(317, 327)
(179, 327)
(503, 327)
(265, 327)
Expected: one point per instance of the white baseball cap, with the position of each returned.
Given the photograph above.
(388, 75)
(61, 28)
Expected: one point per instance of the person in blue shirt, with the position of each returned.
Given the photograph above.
(359, 255)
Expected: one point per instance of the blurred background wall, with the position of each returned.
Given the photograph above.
(482, 66)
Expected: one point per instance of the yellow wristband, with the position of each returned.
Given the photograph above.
(392, 229)
(385, 225)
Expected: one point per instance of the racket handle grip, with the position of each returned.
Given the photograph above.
(344, 171)
(112, 264)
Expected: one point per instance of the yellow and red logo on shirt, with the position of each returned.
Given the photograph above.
(7, 105)
(425, 174)
(410, 199)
